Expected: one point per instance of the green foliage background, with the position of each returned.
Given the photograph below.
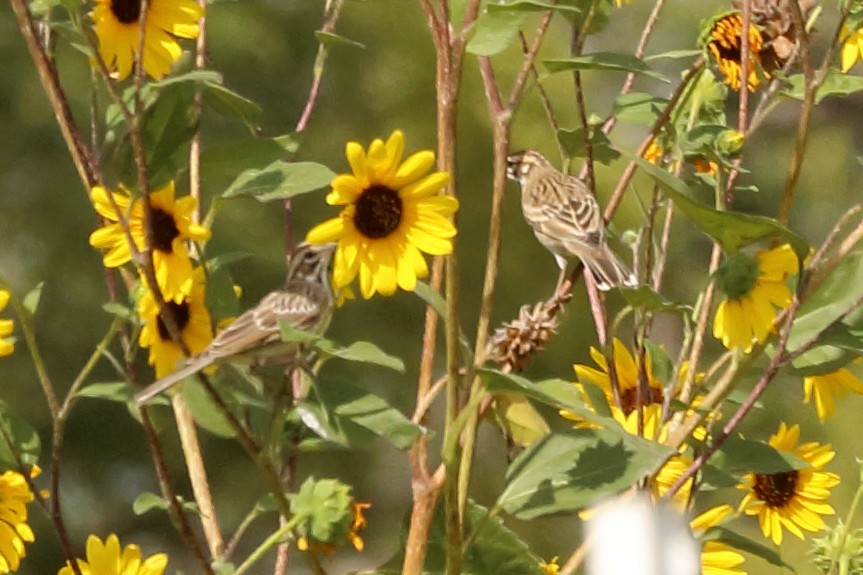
(265, 49)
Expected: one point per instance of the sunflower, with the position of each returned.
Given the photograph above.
(106, 558)
(392, 212)
(653, 153)
(172, 226)
(792, 499)
(117, 28)
(828, 386)
(627, 377)
(852, 47)
(754, 288)
(717, 558)
(15, 494)
(7, 346)
(724, 42)
(193, 321)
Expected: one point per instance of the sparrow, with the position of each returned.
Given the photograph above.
(306, 303)
(566, 218)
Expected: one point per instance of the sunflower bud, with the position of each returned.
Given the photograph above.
(737, 275)
(729, 143)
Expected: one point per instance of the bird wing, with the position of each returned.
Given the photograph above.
(567, 211)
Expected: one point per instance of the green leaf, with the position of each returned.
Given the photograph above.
(571, 470)
(362, 351)
(749, 456)
(148, 501)
(119, 310)
(323, 509)
(607, 61)
(732, 230)
(25, 443)
(660, 363)
(280, 180)
(643, 297)
(835, 84)
(530, 6)
(368, 411)
(330, 39)
(520, 420)
(437, 303)
(638, 108)
(230, 104)
(220, 296)
(495, 32)
(119, 391)
(601, 147)
(195, 76)
(746, 544)
(32, 299)
(839, 291)
(221, 163)
(206, 413)
(674, 55)
(495, 550)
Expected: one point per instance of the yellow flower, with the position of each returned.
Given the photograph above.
(108, 559)
(852, 47)
(193, 321)
(172, 226)
(7, 346)
(627, 377)
(358, 524)
(619, 3)
(753, 288)
(550, 568)
(705, 166)
(827, 386)
(724, 42)
(117, 28)
(792, 499)
(15, 494)
(392, 212)
(653, 153)
(717, 558)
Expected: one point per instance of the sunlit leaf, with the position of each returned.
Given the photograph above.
(520, 421)
(119, 391)
(643, 297)
(119, 310)
(221, 163)
(495, 31)
(229, 104)
(600, 146)
(206, 413)
(638, 108)
(835, 84)
(746, 455)
(530, 6)
(363, 352)
(280, 180)
(606, 61)
(32, 298)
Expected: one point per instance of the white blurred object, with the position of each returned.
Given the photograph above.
(630, 535)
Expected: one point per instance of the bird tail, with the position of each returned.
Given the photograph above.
(161, 385)
(608, 271)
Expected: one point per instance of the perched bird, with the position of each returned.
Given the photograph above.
(306, 303)
(566, 219)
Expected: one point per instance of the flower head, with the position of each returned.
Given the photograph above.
(117, 27)
(794, 499)
(15, 495)
(754, 288)
(717, 558)
(358, 524)
(550, 568)
(852, 47)
(824, 388)
(172, 227)
(191, 317)
(106, 558)
(392, 213)
(7, 346)
(724, 42)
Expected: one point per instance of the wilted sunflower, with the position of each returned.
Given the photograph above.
(172, 227)
(795, 499)
(392, 213)
(117, 27)
(108, 559)
(191, 317)
(754, 288)
(724, 42)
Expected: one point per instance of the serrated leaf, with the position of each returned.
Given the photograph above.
(495, 32)
(643, 297)
(733, 230)
(605, 61)
(119, 391)
(749, 456)
(330, 39)
(368, 411)
(32, 299)
(280, 180)
(221, 163)
(571, 470)
(601, 147)
(26, 447)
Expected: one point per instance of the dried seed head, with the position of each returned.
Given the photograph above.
(775, 19)
(513, 344)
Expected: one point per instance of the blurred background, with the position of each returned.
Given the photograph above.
(265, 49)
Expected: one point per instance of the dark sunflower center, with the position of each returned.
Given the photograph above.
(126, 11)
(378, 212)
(180, 313)
(164, 231)
(629, 398)
(776, 489)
